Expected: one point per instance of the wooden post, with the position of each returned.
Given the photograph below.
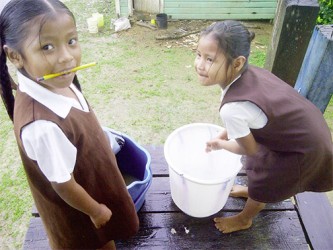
(315, 80)
(292, 30)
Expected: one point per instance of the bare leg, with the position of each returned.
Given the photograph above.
(239, 191)
(109, 246)
(240, 221)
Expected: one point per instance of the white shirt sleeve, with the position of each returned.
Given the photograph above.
(45, 143)
(240, 117)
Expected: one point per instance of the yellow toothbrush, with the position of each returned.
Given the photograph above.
(50, 76)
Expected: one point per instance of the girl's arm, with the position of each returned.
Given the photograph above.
(243, 146)
(223, 135)
(74, 195)
(248, 145)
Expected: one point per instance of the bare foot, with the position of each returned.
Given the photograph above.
(232, 224)
(239, 191)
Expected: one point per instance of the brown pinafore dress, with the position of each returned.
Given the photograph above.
(295, 146)
(95, 170)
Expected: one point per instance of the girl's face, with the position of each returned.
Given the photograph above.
(210, 63)
(52, 49)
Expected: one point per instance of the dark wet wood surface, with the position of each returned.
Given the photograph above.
(164, 226)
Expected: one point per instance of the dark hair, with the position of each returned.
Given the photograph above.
(233, 39)
(14, 20)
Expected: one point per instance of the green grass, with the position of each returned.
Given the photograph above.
(15, 197)
(328, 114)
(258, 58)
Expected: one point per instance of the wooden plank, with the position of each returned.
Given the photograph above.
(211, 2)
(271, 230)
(220, 11)
(252, 16)
(158, 199)
(36, 237)
(158, 163)
(316, 214)
(195, 6)
(277, 226)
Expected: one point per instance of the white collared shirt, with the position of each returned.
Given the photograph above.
(239, 117)
(43, 140)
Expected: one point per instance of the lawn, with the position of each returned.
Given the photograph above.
(142, 87)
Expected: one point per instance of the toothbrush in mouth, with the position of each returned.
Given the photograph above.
(50, 76)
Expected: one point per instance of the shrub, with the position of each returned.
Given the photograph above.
(326, 12)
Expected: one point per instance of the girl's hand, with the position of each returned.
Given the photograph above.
(214, 144)
(102, 216)
(77, 197)
(242, 146)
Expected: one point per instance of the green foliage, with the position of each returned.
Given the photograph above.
(326, 12)
(258, 58)
(328, 114)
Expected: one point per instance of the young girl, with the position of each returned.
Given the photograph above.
(72, 172)
(285, 140)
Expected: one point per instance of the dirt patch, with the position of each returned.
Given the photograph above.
(185, 33)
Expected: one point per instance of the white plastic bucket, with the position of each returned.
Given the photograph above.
(92, 25)
(200, 182)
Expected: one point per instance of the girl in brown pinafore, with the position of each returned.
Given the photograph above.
(71, 169)
(286, 143)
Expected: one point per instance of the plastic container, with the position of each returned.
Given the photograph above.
(92, 25)
(134, 162)
(100, 19)
(162, 20)
(200, 182)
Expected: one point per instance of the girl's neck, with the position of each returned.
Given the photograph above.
(67, 92)
(231, 81)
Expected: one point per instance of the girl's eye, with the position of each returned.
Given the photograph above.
(210, 60)
(72, 41)
(47, 47)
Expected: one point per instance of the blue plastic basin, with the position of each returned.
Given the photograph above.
(134, 160)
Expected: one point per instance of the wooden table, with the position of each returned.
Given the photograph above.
(164, 226)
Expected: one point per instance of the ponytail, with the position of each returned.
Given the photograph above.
(6, 83)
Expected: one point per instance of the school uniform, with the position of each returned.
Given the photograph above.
(295, 145)
(74, 143)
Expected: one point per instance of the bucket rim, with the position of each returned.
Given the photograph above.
(148, 163)
(187, 176)
(161, 15)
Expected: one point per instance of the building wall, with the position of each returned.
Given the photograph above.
(209, 9)
(150, 6)
(220, 9)
(123, 8)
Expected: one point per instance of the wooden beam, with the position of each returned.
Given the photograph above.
(117, 7)
(315, 80)
(292, 30)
